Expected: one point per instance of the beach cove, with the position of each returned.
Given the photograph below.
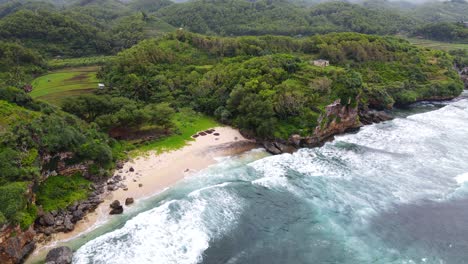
(150, 173)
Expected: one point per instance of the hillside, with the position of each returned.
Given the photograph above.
(242, 17)
(268, 85)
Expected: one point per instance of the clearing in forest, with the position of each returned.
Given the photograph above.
(58, 85)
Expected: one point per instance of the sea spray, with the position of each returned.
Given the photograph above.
(391, 193)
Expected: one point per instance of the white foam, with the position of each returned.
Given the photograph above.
(462, 178)
(175, 232)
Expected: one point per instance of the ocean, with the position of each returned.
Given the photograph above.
(394, 192)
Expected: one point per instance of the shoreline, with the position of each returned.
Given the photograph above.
(150, 174)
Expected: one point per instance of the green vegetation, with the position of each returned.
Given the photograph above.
(60, 191)
(59, 63)
(187, 123)
(32, 131)
(163, 85)
(121, 117)
(267, 85)
(280, 17)
(15, 205)
(66, 83)
(446, 46)
(444, 31)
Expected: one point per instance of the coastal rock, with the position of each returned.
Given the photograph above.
(60, 255)
(114, 204)
(129, 201)
(15, 244)
(272, 148)
(47, 219)
(77, 216)
(68, 224)
(338, 118)
(119, 165)
(140, 185)
(131, 169)
(368, 117)
(117, 210)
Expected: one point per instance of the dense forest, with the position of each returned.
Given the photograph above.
(249, 64)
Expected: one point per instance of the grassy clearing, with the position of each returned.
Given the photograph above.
(188, 123)
(78, 62)
(60, 84)
(437, 44)
(60, 191)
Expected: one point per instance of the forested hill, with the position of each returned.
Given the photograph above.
(268, 84)
(282, 17)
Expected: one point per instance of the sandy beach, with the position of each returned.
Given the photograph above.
(152, 173)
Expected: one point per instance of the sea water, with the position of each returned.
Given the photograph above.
(394, 192)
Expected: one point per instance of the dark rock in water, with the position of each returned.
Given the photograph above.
(129, 200)
(272, 148)
(60, 255)
(131, 169)
(373, 116)
(116, 210)
(115, 204)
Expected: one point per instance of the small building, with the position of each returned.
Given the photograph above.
(321, 63)
(465, 23)
(101, 86)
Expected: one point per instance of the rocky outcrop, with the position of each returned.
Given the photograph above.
(64, 220)
(367, 116)
(129, 201)
(116, 208)
(337, 119)
(60, 255)
(16, 244)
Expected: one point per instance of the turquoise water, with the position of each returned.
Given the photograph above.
(393, 192)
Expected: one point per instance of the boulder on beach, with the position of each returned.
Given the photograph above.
(60, 255)
(195, 136)
(202, 134)
(129, 200)
(114, 204)
(117, 208)
(131, 169)
(216, 134)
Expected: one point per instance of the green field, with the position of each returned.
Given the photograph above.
(446, 46)
(188, 123)
(60, 84)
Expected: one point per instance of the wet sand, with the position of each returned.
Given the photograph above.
(152, 173)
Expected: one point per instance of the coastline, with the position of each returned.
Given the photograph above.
(150, 174)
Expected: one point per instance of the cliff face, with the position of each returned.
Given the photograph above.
(337, 119)
(15, 244)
